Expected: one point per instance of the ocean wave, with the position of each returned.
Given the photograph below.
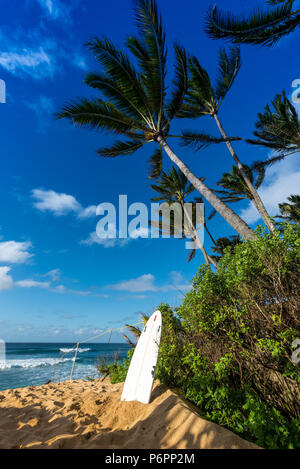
(69, 350)
(32, 363)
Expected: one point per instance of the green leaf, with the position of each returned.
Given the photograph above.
(99, 115)
(117, 66)
(120, 148)
(180, 84)
(263, 27)
(201, 140)
(155, 164)
(152, 43)
(229, 65)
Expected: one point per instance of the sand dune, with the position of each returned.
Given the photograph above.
(80, 414)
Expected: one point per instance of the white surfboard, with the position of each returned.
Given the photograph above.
(140, 375)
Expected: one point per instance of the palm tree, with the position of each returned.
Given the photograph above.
(200, 200)
(290, 211)
(278, 129)
(135, 331)
(174, 187)
(234, 187)
(205, 99)
(137, 107)
(263, 27)
(223, 243)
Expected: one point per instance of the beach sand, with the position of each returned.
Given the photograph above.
(89, 414)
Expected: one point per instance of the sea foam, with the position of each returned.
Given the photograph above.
(32, 363)
(69, 350)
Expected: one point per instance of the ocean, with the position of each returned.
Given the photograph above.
(29, 364)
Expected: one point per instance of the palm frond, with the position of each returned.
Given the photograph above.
(117, 66)
(200, 94)
(199, 141)
(180, 83)
(229, 65)
(211, 215)
(172, 186)
(191, 255)
(129, 341)
(135, 331)
(155, 164)
(260, 176)
(97, 114)
(120, 148)
(139, 51)
(264, 27)
(223, 244)
(117, 94)
(152, 42)
(277, 2)
(278, 127)
(234, 187)
(262, 165)
(144, 318)
(290, 210)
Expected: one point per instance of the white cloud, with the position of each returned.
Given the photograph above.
(60, 204)
(141, 232)
(6, 281)
(58, 10)
(147, 282)
(87, 212)
(108, 237)
(41, 105)
(177, 282)
(105, 241)
(14, 252)
(282, 179)
(63, 289)
(133, 296)
(140, 284)
(54, 274)
(29, 283)
(36, 63)
(93, 238)
(176, 276)
(48, 5)
(36, 52)
(79, 61)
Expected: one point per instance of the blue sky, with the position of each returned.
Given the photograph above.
(54, 285)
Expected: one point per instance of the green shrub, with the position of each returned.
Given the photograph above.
(227, 348)
(232, 356)
(117, 370)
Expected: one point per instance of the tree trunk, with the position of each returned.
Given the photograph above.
(208, 259)
(256, 198)
(209, 234)
(226, 212)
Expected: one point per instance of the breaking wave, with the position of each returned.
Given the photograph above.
(32, 363)
(69, 350)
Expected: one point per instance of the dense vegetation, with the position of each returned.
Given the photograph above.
(228, 347)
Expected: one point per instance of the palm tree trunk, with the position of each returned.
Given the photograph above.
(208, 259)
(226, 212)
(256, 198)
(209, 234)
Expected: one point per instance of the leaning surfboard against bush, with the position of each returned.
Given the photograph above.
(140, 375)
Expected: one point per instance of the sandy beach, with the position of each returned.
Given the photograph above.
(89, 414)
